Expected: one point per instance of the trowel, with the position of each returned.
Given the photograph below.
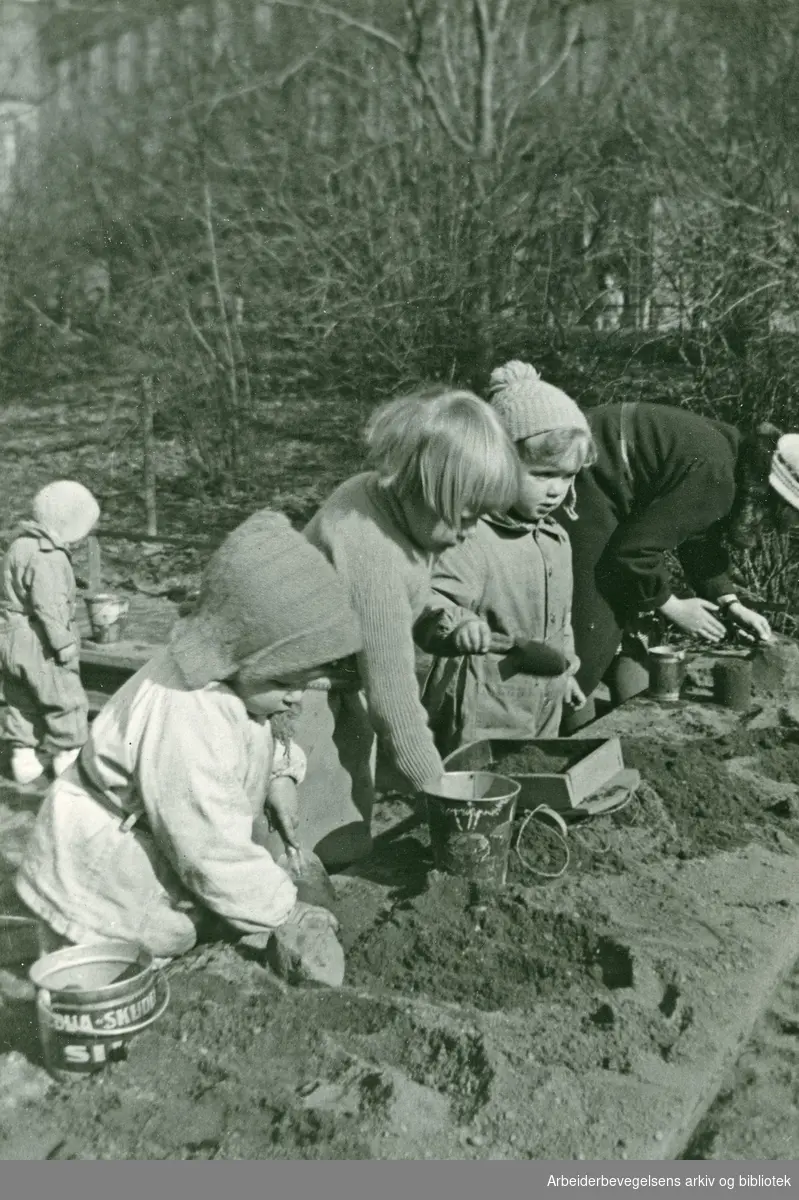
(530, 657)
(304, 868)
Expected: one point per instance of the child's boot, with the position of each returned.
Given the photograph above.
(64, 760)
(26, 766)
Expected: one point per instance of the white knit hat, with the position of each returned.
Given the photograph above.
(784, 476)
(67, 510)
(527, 406)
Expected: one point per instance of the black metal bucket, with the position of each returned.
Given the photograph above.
(470, 816)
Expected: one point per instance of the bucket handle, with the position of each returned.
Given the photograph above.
(561, 834)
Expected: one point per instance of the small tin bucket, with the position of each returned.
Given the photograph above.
(666, 673)
(732, 684)
(107, 616)
(91, 1001)
(470, 816)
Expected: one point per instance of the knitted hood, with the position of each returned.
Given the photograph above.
(66, 510)
(270, 603)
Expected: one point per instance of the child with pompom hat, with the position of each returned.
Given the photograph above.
(510, 582)
(47, 708)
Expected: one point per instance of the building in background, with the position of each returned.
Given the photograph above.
(23, 83)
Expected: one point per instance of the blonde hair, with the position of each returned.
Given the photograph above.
(448, 447)
(569, 450)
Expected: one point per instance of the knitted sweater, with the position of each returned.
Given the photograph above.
(671, 490)
(361, 530)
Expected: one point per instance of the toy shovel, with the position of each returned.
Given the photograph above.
(305, 869)
(530, 657)
(313, 884)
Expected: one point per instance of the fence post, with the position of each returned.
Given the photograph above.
(95, 567)
(148, 445)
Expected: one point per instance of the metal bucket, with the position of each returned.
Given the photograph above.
(667, 668)
(470, 816)
(107, 616)
(732, 684)
(91, 1001)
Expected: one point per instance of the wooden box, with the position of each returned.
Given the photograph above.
(580, 767)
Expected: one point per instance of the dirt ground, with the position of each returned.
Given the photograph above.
(583, 1016)
(539, 1023)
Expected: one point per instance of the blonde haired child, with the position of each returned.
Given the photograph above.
(511, 581)
(440, 459)
(47, 707)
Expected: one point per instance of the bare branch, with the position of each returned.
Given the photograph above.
(197, 333)
(324, 10)
(446, 56)
(387, 39)
(545, 80)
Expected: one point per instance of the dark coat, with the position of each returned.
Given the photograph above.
(664, 480)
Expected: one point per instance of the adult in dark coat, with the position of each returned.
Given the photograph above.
(670, 480)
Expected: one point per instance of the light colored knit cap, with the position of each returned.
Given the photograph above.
(270, 603)
(67, 510)
(528, 406)
(784, 475)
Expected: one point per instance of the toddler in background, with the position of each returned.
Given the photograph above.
(46, 706)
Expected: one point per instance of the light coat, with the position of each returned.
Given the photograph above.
(152, 827)
(46, 703)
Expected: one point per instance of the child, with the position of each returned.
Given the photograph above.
(47, 707)
(512, 578)
(440, 459)
(149, 835)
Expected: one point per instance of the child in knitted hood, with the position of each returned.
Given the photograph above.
(47, 708)
(149, 836)
(511, 581)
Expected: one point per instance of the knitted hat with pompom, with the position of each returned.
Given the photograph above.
(528, 406)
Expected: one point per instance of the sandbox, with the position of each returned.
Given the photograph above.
(592, 1016)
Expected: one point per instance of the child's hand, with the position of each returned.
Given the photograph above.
(575, 696)
(473, 636)
(68, 655)
(282, 801)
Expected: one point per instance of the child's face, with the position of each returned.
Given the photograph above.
(272, 696)
(433, 533)
(543, 490)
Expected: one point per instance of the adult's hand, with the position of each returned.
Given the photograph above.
(751, 620)
(695, 616)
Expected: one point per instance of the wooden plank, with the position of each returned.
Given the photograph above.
(118, 656)
(130, 535)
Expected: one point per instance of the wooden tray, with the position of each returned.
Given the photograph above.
(594, 765)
